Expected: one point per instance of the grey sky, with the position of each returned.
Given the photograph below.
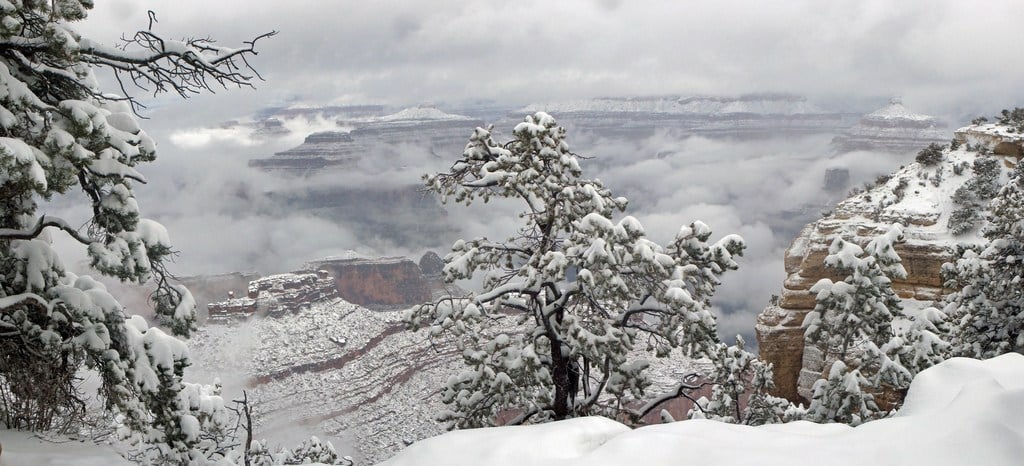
(953, 59)
(950, 58)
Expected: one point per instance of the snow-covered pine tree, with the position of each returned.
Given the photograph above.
(920, 342)
(59, 132)
(568, 341)
(852, 320)
(839, 398)
(740, 379)
(988, 309)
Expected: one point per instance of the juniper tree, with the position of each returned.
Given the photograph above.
(564, 349)
(60, 133)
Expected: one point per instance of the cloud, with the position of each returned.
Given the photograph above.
(944, 57)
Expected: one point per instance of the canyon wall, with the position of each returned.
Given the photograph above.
(918, 197)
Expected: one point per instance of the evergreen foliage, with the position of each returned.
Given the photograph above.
(740, 389)
(853, 323)
(973, 195)
(1012, 118)
(59, 133)
(988, 309)
(930, 156)
(839, 398)
(570, 354)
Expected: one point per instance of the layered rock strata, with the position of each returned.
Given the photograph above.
(275, 295)
(387, 281)
(917, 197)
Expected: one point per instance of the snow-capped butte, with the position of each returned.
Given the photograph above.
(896, 111)
(962, 411)
(422, 113)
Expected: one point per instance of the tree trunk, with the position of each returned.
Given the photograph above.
(560, 375)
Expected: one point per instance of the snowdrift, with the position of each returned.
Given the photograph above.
(962, 411)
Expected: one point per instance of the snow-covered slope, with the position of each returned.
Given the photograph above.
(349, 374)
(962, 411)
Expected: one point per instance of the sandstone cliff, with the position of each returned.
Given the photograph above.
(388, 281)
(916, 196)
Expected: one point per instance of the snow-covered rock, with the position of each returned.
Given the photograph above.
(918, 197)
(962, 411)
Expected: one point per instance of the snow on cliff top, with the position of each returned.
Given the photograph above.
(1002, 132)
(422, 113)
(896, 111)
(699, 105)
(962, 411)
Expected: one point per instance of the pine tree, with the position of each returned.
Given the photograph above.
(988, 309)
(60, 133)
(740, 379)
(839, 398)
(566, 350)
(920, 342)
(853, 318)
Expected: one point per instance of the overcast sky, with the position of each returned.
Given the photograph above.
(952, 59)
(948, 58)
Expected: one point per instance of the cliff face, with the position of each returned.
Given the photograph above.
(916, 196)
(389, 281)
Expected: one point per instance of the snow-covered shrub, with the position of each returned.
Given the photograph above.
(972, 196)
(1012, 118)
(572, 355)
(963, 220)
(930, 156)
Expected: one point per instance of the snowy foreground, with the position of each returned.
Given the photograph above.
(962, 411)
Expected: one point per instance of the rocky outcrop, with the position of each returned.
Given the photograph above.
(274, 296)
(892, 128)
(208, 289)
(388, 281)
(997, 138)
(917, 197)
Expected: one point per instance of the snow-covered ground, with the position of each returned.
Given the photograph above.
(962, 411)
(348, 374)
(27, 449)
